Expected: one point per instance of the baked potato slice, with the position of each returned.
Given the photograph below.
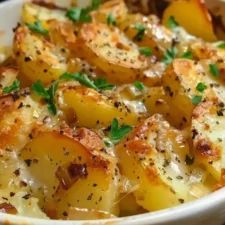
(37, 59)
(148, 158)
(208, 137)
(109, 50)
(154, 35)
(200, 25)
(32, 12)
(78, 102)
(180, 84)
(117, 9)
(79, 173)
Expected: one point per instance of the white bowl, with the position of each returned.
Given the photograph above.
(209, 210)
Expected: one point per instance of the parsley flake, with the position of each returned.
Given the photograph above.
(140, 31)
(37, 28)
(189, 160)
(139, 85)
(15, 86)
(201, 87)
(214, 70)
(172, 23)
(196, 99)
(118, 132)
(81, 78)
(111, 20)
(169, 55)
(48, 94)
(102, 84)
(221, 45)
(187, 55)
(145, 51)
(83, 14)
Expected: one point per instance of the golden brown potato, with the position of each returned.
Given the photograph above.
(32, 12)
(147, 157)
(115, 8)
(110, 51)
(208, 136)
(79, 173)
(155, 36)
(92, 109)
(37, 59)
(198, 22)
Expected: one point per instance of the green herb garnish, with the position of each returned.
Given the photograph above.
(102, 84)
(201, 87)
(83, 14)
(111, 20)
(187, 55)
(139, 85)
(15, 86)
(140, 31)
(196, 99)
(37, 28)
(172, 23)
(189, 160)
(145, 51)
(221, 45)
(214, 70)
(48, 94)
(118, 132)
(169, 55)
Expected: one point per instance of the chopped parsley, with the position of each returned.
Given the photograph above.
(140, 31)
(196, 99)
(83, 14)
(172, 23)
(201, 87)
(189, 160)
(169, 55)
(102, 84)
(187, 55)
(15, 86)
(111, 20)
(99, 84)
(221, 45)
(214, 70)
(37, 28)
(118, 132)
(145, 51)
(139, 85)
(48, 94)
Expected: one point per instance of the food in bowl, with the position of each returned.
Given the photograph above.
(106, 113)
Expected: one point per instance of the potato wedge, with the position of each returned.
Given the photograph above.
(79, 102)
(37, 58)
(79, 174)
(147, 158)
(110, 51)
(208, 137)
(198, 22)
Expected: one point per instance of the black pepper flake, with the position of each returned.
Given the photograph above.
(181, 200)
(65, 213)
(27, 196)
(28, 162)
(17, 172)
(27, 59)
(90, 197)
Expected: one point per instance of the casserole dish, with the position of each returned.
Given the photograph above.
(209, 210)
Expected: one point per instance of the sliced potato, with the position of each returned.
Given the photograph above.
(79, 174)
(92, 109)
(37, 58)
(117, 9)
(148, 157)
(7, 77)
(109, 50)
(200, 25)
(155, 36)
(208, 137)
(32, 12)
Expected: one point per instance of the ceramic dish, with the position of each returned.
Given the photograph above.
(209, 210)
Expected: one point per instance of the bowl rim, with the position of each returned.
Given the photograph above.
(184, 211)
